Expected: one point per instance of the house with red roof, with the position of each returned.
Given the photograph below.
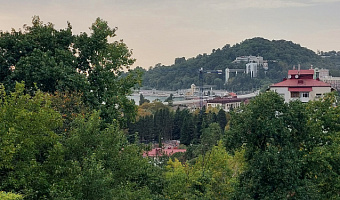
(158, 152)
(300, 85)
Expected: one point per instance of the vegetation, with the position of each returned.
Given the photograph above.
(56, 60)
(290, 148)
(280, 54)
(156, 121)
(65, 140)
(9, 196)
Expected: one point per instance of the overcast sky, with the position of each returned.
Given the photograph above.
(159, 31)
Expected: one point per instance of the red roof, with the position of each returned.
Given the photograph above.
(301, 83)
(232, 94)
(161, 152)
(302, 71)
(303, 89)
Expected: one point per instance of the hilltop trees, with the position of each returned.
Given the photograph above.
(280, 54)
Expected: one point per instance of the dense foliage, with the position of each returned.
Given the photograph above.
(82, 162)
(280, 54)
(56, 60)
(291, 149)
(158, 122)
(66, 139)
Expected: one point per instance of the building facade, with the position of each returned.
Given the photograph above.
(227, 104)
(302, 86)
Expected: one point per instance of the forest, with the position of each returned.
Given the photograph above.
(68, 130)
(281, 55)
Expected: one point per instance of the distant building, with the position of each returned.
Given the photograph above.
(323, 75)
(252, 65)
(251, 68)
(249, 59)
(302, 86)
(158, 152)
(226, 103)
(333, 81)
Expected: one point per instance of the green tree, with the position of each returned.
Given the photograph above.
(142, 100)
(27, 134)
(187, 130)
(222, 119)
(104, 63)
(84, 162)
(281, 142)
(52, 60)
(9, 196)
(101, 164)
(322, 147)
(212, 176)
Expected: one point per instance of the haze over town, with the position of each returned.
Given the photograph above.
(160, 31)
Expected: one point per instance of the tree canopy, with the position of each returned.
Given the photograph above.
(289, 148)
(56, 60)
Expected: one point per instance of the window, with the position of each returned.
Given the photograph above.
(305, 94)
(295, 94)
(318, 95)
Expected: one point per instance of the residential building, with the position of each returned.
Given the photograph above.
(226, 103)
(302, 86)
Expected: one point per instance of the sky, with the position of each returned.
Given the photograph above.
(158, 31)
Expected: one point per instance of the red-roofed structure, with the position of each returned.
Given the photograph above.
(157, 152)
(226, 103)
(301, 85)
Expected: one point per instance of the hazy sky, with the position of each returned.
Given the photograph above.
(159, 31)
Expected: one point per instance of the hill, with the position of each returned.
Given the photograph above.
(280, 54)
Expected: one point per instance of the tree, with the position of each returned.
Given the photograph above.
(143, 100)
(51, 60)
(86, 161)
(104, 62)
(280, 143)
(261, 127)
(322, 146)
(212, 176)
(222, 119)
(27, 125)
(187, 129)
(104, 165)
(176, 132)
(9, 196)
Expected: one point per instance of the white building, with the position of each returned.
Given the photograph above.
(251, 68)
(300, 85)
(248, 59)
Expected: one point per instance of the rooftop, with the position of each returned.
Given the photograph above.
(302, 71)
(161, 152)
(301, 83)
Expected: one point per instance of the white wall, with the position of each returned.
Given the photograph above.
(282, 91)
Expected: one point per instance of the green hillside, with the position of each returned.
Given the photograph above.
(280, 54)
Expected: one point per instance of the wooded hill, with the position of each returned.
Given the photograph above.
(280, 54)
